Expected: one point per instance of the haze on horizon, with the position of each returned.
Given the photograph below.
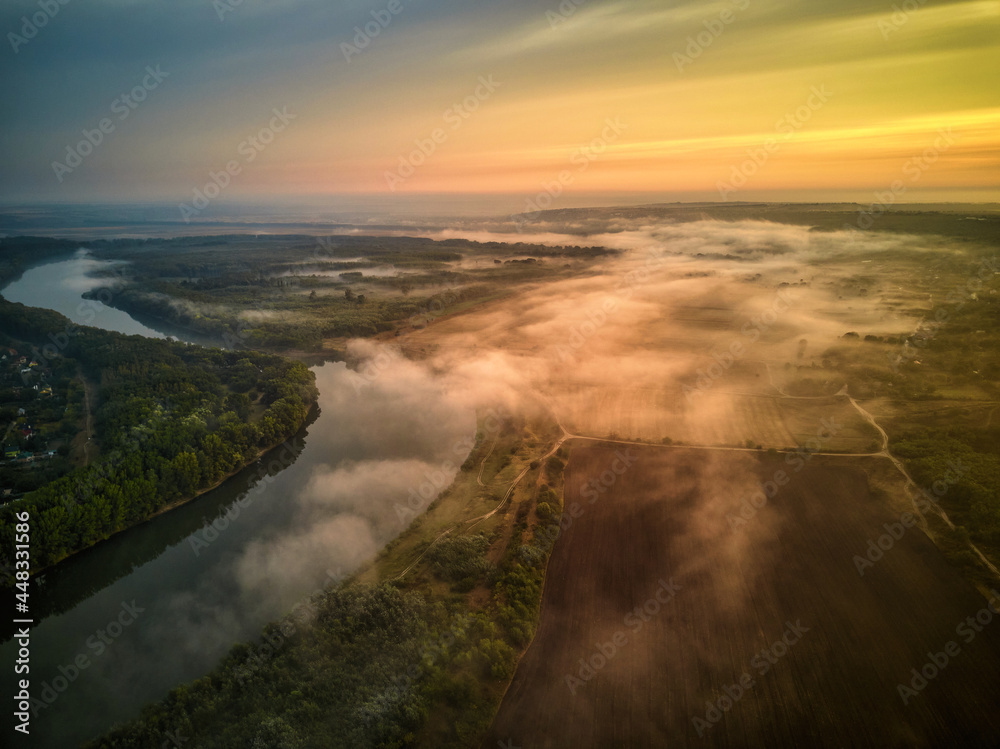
(566, 100)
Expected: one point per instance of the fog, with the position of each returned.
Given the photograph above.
(688, 332)
(682, 334)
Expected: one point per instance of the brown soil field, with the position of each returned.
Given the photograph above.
(727, 597)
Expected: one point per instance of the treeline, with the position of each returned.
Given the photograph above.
(17, 254)
(260, 292)
(301, 323)
(961, 470)
(419, 662)
(173, 420)
(303, 326)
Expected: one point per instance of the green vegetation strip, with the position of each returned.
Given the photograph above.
(422, 661)
(173, 420)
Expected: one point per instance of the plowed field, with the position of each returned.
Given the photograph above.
(654, 605)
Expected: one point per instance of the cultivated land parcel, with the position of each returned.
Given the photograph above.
(759, 444)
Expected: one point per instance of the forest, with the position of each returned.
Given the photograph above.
(363, 666)
(296, 292)
(383, 659)
(172, 419)
(19, 253)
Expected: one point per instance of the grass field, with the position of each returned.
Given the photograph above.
(766, 420)
(664, 524)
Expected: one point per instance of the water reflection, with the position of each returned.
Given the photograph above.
(210, 573)
(59, 286)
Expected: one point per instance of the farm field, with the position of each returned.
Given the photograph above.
(776, 607)
(770, 421)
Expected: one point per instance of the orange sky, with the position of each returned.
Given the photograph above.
(736, 99)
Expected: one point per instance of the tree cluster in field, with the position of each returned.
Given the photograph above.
(460, 561)
(172, 420)
(960, 469)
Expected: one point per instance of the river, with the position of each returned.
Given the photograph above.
(122, 623)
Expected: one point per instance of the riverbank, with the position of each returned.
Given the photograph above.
(198, 599)
(455, 596)
(313, 411)
(174, 421)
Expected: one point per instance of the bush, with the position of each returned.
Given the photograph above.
(460, 560)
(499, 658)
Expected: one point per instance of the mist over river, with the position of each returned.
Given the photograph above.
(122, 623)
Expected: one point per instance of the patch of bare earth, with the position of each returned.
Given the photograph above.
(777, 603)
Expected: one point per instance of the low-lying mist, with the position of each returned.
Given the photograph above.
(687, 334)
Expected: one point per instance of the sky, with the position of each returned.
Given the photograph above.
(548, 103)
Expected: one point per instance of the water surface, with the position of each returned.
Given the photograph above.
(120, 624)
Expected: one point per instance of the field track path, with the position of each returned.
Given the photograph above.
(884, 453)
(567, 435)
(475, 521)
(482, 465)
